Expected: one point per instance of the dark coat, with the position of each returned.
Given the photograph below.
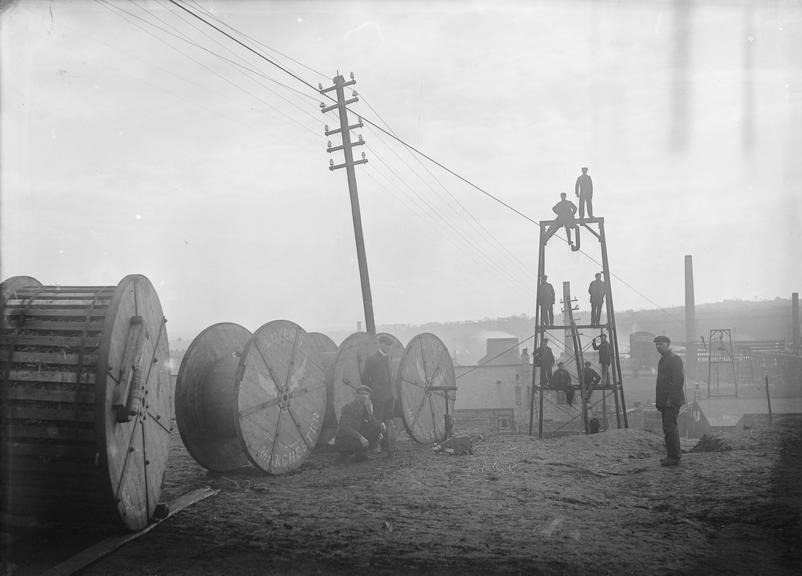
(584, 185)
(605, 353)
(565, 210)
(376, 375)
(670, 381)
(546, 294)
(545, 358)
(561, 379)
(596, 291)
(354, 416)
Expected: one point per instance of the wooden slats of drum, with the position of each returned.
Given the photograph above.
(48, 358)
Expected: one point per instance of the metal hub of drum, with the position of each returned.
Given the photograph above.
(86, 400)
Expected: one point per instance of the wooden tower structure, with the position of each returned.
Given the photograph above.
(613, 385)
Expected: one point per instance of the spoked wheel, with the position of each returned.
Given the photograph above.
(426, 364)
(281, 397)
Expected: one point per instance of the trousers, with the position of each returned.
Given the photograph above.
(671, 431)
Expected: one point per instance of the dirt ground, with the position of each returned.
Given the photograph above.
(596, 504)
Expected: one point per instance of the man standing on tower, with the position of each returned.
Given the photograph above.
(547, 302)
(669, 396)
(605, 357)
(584, 191)
(597, 290)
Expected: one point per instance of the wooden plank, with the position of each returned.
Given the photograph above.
(63, 376)
(53, 358)
(46, 395)
(45, 450)
(38, 413)
(50, 481)
(80, 468)
(49, 501)
(23, 303)
(50, 431)
(109, 545)
(47, 341)
(58, 313)
(67, 326)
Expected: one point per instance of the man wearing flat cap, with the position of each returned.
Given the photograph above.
(377, 375)
(670, 396)
(584, 191)
(358, 430)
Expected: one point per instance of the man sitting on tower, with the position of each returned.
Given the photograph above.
(565, 210)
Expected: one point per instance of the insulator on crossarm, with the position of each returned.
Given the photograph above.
(361, 139)
(320, 86)
(328, 146)
(352, 75)
(354, 93)
(326, 127)
(363, 155)
(322, 105)
(331, 162)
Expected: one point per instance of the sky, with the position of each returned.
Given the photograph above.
(137, 139)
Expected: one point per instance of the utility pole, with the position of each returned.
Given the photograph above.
(345, 131)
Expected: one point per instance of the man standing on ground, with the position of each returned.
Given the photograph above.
(597, 290)
(547, 302)
(584, 191)
(670, 396)
(376, 375)
(358, 430)
(605, 357)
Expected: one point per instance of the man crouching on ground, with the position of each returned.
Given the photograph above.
(670, 397)
(358, 430)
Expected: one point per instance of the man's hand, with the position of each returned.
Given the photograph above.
(363, 441)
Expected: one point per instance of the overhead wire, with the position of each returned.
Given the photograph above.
(461, 209)
(255, 40)
(113, 7)
(411, 147)
(447, 222)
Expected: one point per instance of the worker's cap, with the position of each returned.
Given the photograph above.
(363, 390)
(584, 167)
(386, 340)
(662, 338)
(563, 194)
(560, 363)
(587, 362)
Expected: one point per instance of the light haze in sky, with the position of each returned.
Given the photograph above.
(137, 139)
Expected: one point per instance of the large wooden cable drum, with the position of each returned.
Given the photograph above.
(86, 401)
(281, 397)
(425, 367)
(350, 363)
(328, 352)
(205, 397)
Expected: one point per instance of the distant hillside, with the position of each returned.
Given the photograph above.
(764, 320)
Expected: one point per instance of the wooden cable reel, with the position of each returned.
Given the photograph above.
(350, 362)
(86, 401)
(262, 398)
(426, 381)
(204, 397)
(328, 352)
